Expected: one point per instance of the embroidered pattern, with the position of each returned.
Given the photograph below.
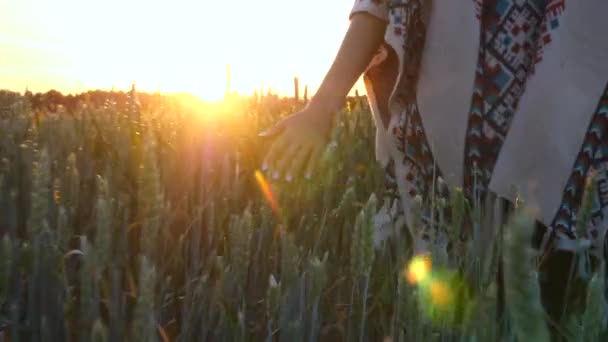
(553, 11)
(408, 132)
(421, 172)
(592, 157)
(513, 37)
(511, 32)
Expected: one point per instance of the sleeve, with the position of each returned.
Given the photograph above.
(377, 8)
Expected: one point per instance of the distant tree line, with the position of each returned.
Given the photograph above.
(54, 101)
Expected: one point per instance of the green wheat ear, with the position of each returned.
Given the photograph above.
(584, 216)
(63, 229)
(362, 245)
(346, 203)
(150, 197)
(522, 290)
(73, 181)
(240, 230)
(88, 286)
(6, 254)
(290, 260)
(144, 322)
(317, 269)
(103, 227)
(273, 298)
(99, 332)
(41, 181)
(594, 318)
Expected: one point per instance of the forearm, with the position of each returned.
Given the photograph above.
(362, 40)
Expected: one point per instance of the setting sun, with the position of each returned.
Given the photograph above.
(177, 46)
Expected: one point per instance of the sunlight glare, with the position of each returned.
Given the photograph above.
(418, 269)
(268, 194)
(177, 46)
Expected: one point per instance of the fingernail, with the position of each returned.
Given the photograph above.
(264, 166)
(275, 175)
(289, 178)
(263, 134)
(308, 175)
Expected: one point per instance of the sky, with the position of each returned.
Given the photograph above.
(171, 45)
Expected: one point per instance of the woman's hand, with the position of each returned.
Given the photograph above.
(299, 142)
(300, 138)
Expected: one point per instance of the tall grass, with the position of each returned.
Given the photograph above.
(148, 224)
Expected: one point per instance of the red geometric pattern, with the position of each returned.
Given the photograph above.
(512, 34)
(593, 157)
(553, 11)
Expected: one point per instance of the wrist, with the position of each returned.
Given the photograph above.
(326, 104)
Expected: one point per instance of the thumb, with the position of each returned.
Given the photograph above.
(274, 130)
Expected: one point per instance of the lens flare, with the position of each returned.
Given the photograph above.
(441, 294)
(265, 186)
(445, 299)
(418, 269)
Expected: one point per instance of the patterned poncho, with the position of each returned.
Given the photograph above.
(508, 97)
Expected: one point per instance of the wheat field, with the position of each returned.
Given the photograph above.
(128, 222)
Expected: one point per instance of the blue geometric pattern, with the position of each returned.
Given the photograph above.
(593, 157)
(511, 32)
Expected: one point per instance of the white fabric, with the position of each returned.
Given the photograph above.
(446, 82)
(547, 133)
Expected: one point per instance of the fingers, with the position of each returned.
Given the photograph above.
(297, 164)
(288, 160)
(285, 160)
(274, 154)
